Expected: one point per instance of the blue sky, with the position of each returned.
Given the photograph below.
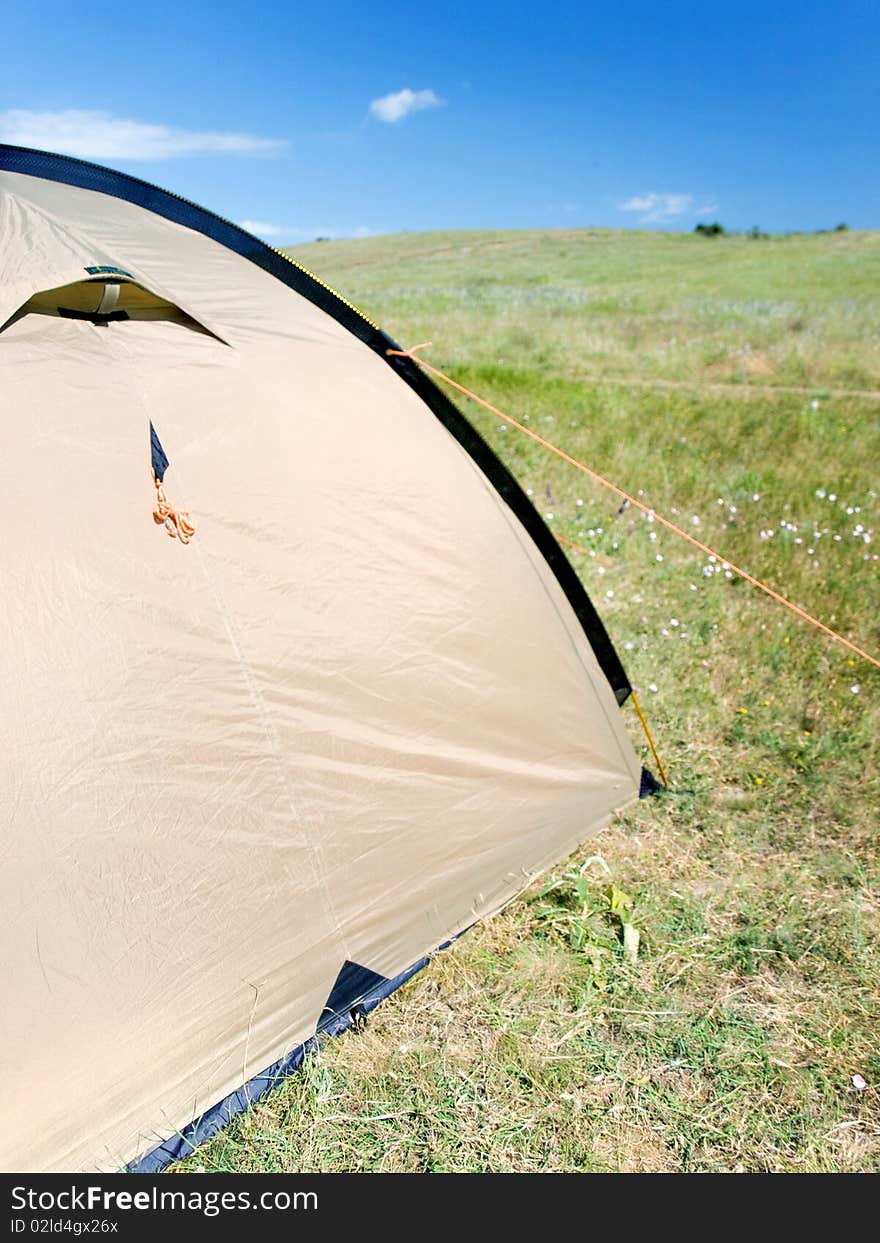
(343, 119)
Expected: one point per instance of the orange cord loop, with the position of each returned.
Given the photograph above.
(646, 509)
(176, 522)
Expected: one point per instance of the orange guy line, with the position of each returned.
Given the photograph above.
(606, 483)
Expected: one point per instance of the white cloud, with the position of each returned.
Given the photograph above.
(398, 104)
(295, 233)
(100, 135)
(264, 228)
(661, 208)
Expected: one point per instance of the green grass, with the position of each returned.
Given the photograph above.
(730, 1044)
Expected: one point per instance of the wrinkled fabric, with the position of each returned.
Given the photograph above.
(353, 715)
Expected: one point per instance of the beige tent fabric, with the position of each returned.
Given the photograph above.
(354, 715)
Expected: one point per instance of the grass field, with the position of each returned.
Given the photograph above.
(736, 384)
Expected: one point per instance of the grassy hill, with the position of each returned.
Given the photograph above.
(735, 384)
(800, 310)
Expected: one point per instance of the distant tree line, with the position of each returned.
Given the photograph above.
(755, 234)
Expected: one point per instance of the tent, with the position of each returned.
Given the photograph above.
(255, 775)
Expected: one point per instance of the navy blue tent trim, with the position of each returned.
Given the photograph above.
(88, 176)
(344, 1004)
(351, 1007)
(157, 455)
(648, 784)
